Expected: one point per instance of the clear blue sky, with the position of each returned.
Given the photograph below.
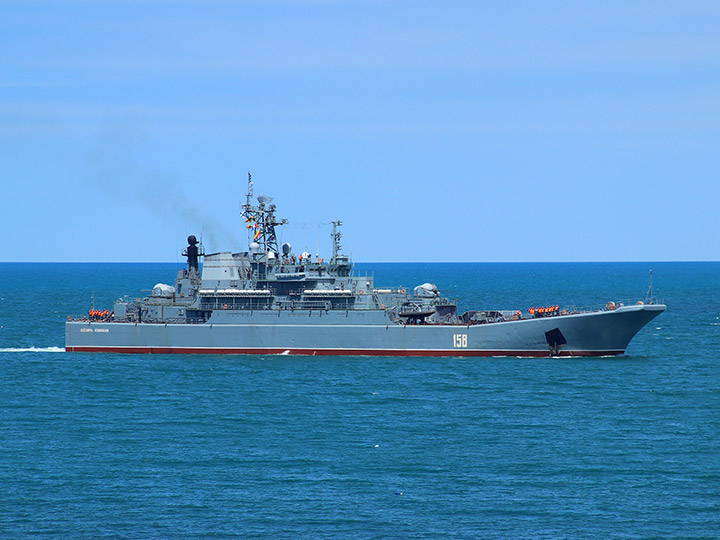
(437, 131)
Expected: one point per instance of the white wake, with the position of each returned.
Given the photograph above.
(33, 349)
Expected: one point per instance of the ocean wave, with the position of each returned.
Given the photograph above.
(33, 349)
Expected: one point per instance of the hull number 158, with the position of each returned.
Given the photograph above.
(459, 340)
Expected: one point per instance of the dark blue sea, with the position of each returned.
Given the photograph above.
(181, 447)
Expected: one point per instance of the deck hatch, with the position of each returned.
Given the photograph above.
(555, 340)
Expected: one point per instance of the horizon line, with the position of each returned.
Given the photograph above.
(394, 262)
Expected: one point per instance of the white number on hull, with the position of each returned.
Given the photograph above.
(460, 340)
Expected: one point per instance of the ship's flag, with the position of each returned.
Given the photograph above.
(248, 217)
(257, 234)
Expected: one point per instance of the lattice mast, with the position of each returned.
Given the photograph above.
(261, 221)
(336, 237)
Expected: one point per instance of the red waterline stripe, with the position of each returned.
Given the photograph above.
(333, 352)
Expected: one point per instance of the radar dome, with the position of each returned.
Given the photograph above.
(161, 290)
(286, 248)
(426, 290)
(254, 247)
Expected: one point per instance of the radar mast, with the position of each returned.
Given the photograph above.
(260, 221)
(336, 236)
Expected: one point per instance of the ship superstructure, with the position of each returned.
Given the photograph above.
(270, 300)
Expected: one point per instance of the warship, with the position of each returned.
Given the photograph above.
(270, 300)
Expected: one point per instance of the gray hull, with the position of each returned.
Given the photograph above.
(313, 332)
